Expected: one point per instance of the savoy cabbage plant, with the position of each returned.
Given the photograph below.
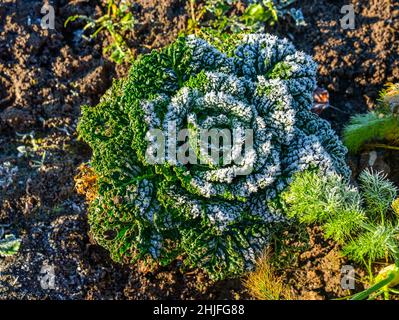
(211, 216)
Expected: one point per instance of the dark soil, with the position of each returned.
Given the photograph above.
(46, 75)
(315, 271)
(353, 64)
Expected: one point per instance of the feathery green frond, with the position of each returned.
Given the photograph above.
(377, 192)
(313, 197)
(344, 224)
(377, 242)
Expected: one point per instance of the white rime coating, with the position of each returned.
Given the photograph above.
(242, 92)
(264, 87)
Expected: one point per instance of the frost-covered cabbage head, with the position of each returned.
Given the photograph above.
(212, 216)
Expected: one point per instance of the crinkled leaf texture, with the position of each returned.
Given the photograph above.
(212, 216)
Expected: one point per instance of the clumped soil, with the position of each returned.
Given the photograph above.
(315, 270)
(353, 64)
(46, 75)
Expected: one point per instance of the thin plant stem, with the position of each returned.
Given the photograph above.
(381, 145)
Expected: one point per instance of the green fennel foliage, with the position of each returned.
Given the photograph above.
(346, 223)
(378, 193)
(316, 199)
(348, 215)
(376, 242)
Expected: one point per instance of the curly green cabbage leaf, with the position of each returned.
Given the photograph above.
(215, 216)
